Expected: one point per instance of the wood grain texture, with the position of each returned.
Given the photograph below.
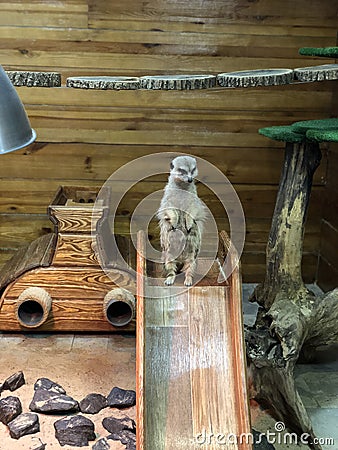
(328, 258)
(94, 163)
(221, 13)
(140, 339)
(69, 316)
(190, 362)
(194, 358)
(74, 250)
(39, 253)
(77, 298)
(84, 135)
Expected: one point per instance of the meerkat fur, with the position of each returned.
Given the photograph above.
(181, 215)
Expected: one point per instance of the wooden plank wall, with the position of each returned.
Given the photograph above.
(328, 257)
(83, 136)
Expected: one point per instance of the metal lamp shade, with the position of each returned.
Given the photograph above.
(15, 129)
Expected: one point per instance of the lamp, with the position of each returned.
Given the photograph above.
(15, 129)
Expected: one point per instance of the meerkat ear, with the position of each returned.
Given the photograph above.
(171, 165)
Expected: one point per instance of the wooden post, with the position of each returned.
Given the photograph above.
(285, 244)
(140, 341)
(291, 320)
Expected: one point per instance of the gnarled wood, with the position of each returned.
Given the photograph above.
(285, 244)
(291, 319)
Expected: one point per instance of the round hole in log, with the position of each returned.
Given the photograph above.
(30, 313)
(119, 307)
(33, 307)
(119, 313)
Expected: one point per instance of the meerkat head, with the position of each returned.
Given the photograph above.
(183, 169)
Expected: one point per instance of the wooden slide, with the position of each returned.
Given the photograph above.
(191, 368)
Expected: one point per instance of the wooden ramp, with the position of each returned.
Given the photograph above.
(191, 369)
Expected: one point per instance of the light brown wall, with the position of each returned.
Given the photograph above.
(83, 136)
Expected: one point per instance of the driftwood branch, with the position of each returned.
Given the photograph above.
(291, 319)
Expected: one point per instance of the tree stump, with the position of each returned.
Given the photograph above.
(34, 79)
(291, 320)
(103, 83)
(178, 82)
(255, 78)
(317, 73)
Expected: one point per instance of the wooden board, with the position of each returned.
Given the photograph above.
(77, 298)
(84, 135)
(39, 253)
(192, 389)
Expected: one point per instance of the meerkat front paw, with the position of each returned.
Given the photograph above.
(188, 280)
(169, 281)
(189, 222)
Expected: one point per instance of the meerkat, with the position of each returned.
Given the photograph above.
(181, 215)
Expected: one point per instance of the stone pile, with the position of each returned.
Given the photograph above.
(75, 429)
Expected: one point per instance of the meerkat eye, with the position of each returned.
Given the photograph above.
(182, 171)
(193, 170)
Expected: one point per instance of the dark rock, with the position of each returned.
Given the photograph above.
(93, 403)
(52, 402)
(126, 437)
(14, 382)
(260, 441)
(48, 385)
(27, 423)
(10, 408)
(131, 446)
(115, 425)
(101, 444)
(121, 398)
(75, 430)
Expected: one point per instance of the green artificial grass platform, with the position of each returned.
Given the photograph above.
(327, 52)
(281, 133)
(322, 130)
(322, 136)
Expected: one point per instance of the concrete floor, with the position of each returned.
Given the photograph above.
(83, 364)
(317, 385)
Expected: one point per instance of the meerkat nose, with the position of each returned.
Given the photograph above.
(190, 179)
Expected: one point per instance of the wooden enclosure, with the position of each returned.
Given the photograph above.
(60, 282)
(85, 135)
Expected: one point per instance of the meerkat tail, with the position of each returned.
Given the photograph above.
(170, 268)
